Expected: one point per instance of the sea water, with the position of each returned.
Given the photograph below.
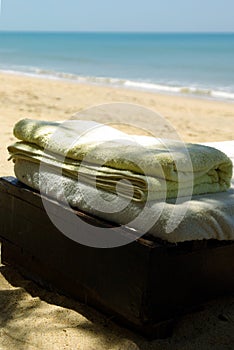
(188, 64)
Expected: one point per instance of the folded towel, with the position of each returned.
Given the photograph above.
(151, 166)
(205, 217)
(104, 177)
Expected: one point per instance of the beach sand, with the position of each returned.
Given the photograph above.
(32, 318)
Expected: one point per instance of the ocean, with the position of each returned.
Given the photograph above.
(187, 64)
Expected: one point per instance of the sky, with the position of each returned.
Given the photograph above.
(118, 15)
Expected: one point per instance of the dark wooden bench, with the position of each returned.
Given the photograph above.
(145, 285)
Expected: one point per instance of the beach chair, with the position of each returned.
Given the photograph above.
(146, 285)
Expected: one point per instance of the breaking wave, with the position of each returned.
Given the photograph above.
(125, 83)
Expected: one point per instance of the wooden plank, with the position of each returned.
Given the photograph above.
(186, 280)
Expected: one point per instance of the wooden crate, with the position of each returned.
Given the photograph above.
(145, 285)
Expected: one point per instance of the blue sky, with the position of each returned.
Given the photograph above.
(118, 15)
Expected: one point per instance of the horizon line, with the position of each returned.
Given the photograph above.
(111, 32)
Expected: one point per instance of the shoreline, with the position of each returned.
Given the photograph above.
(193, 119)
(128, 84)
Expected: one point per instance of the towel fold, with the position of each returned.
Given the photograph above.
(101, 156)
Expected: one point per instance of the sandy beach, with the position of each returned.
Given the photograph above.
(32, 318)
(195, 120)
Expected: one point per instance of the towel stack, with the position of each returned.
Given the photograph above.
(139, 181)
(138, 167)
